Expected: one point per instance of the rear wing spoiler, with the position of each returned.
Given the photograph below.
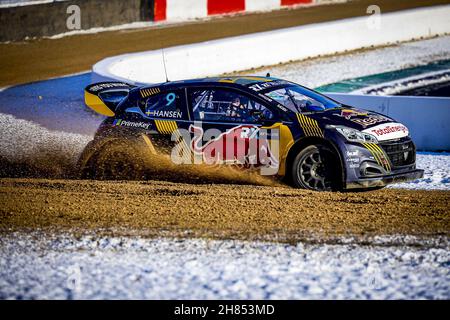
(103, 97)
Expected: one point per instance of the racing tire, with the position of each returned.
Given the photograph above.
(114, 159)
(316, 168)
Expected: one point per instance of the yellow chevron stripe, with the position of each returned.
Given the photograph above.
(385, 157)
(300, 121)
(313, 126)
(149, 92)
(310, 126)
(171, 126)
(369, 147)
(165, 127)
(319, 131)
(174, 126)
(158, 126)
(302, 124)
(306, 126)
(317, 128)
(378, 155)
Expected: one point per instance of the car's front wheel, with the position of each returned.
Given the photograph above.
(316, 168)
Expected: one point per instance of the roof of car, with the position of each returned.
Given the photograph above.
(237, 81)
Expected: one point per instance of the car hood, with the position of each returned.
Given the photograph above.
(381, 126)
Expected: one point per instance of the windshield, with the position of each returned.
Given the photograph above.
(300, 99)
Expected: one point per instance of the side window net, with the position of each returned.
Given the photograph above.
(227, 106)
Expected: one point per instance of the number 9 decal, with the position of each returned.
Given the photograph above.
(170, 98)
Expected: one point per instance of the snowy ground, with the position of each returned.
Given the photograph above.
(398, 86)
(317, 72)
(61, 267)
(437, 172)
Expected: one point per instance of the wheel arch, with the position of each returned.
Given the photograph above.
(308, 141)
(95, 146)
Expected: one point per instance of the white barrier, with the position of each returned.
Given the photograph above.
(278, 46)
(427, 118)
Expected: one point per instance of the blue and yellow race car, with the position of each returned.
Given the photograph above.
(263, 123)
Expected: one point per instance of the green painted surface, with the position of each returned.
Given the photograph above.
(362, 82)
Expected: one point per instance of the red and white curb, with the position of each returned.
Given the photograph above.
(178, 10)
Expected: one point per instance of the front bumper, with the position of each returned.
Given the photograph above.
(382, 181)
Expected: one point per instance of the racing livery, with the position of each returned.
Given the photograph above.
(280, 127)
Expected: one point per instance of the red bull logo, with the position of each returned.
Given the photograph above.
(349, 113)
(245, 145)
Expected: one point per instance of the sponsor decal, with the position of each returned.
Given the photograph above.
(132, 124)
(264, 85)
(354, 153)
(265, 97)
(349, 113)
(164, 114)
(242, 145)
(370, 120)
(109, 85)
(283, 108)
(388, 131)
(353, 160)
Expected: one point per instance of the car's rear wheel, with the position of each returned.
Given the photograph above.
(316, 168)
(118, 159)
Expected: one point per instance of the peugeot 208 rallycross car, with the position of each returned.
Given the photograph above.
(311, 140)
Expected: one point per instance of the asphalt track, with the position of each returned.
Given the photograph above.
(56, 104)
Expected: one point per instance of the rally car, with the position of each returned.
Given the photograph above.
(273, 125)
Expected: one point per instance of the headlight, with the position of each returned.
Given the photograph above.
(354, 135)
